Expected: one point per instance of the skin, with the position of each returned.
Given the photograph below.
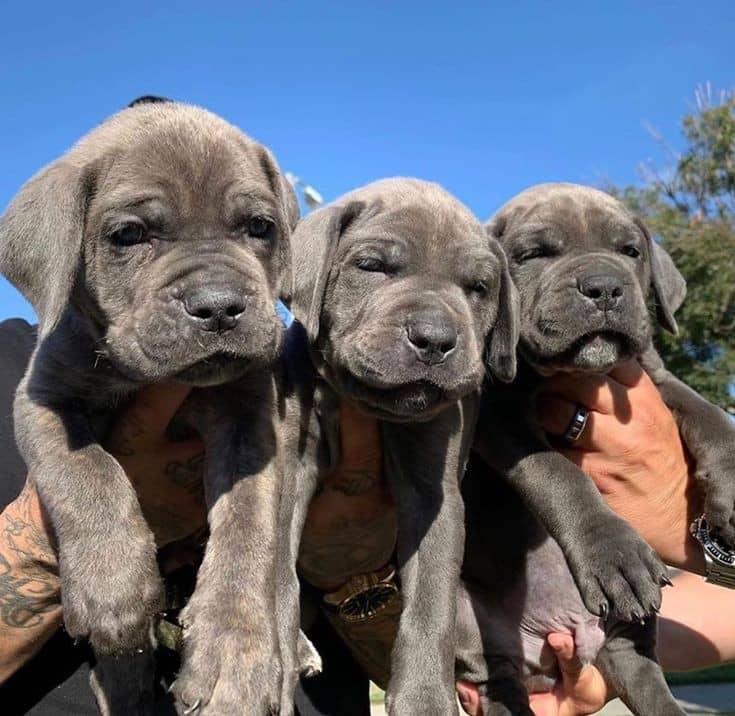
(638, 482)
(167, 478)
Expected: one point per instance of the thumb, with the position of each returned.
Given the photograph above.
(563, 647)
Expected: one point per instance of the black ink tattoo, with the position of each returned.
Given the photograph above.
(354, 482)
(331, 556)
(29, 585)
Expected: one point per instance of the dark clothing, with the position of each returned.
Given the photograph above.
(56, 681)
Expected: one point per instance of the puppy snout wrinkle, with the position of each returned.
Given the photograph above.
(432, 336)
(604, 290)
(216, 309)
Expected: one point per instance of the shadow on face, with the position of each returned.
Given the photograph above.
(412, 293)
(581, 264)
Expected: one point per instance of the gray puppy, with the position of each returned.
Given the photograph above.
(400, 287)
(155, 250)
(584, 267)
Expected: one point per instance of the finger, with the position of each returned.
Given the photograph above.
(563, 647)
(629, 373)
(151, 409)
(469, 698)
(545, 704)
(596, 392)
(554, 414)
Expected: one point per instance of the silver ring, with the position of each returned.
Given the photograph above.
(577, 424)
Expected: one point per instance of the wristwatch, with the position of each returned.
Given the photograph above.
(719, 559)
(364, 595)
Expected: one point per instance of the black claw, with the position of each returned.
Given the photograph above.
(603, 610)
(665, 580)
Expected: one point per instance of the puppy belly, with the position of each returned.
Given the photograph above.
(514, 626)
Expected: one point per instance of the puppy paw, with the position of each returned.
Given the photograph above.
(616, 572)
(110, 594)
(310, 663)
(718, 482)
(228, 670)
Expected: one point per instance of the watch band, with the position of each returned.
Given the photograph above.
(718, 574)
(719, 560)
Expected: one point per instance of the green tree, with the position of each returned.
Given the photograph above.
(690, 208)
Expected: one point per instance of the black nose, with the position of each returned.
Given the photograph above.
(215, 309)
(432, 337)
(604, 291)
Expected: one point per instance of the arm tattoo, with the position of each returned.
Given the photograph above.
(354, 482)
(331, 556)
(29, 585)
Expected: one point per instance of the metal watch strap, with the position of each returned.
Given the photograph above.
(718, 574)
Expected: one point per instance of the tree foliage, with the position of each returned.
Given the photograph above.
(690, 208)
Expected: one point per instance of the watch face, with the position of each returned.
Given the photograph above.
(367, 603)
(716, 549)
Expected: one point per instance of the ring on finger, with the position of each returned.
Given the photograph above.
(577, 424)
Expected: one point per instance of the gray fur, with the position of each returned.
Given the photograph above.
(517, 555)
(114, 318)
(359, 323)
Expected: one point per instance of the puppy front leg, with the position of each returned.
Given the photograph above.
(425, 464)
(231, 660)
(110, 584)
(615, 570)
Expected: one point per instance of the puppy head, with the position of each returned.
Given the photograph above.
(400, 287)
(168, 230)
(584, 267)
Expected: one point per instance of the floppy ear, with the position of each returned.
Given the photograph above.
(316, 240)
(41, 238)
(285, 196)
(669, 286)
(501, 350)
(291, 202)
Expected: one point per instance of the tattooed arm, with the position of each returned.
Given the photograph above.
(30, 611)
(167, 477)
(351, 525)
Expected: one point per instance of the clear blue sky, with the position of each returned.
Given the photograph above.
(483, 97)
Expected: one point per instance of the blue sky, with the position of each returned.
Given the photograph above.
(484, 97)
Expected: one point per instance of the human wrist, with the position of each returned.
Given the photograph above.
(673, 540)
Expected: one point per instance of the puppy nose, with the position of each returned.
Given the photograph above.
(432, 337)
(215, 309)
(604, 291)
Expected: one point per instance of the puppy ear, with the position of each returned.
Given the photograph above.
(291, 203)
(669, 286)
(318, 236)
(41, 238)
(501, 350)
(286, 197)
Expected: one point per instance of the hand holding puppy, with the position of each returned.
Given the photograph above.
(632, 450)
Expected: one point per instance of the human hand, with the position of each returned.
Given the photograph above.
(351, 526)
(166, 474)
(632, 450)
(582, 689)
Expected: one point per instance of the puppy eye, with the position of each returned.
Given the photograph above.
(370, 263)
(128, 235)
(537, 252)
(479, 288)
(259, 227)
(631, 251)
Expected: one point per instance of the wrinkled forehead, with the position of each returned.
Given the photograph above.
(585, 219)
(432, 228)
(184, 166)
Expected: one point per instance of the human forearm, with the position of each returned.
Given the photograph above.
(30, 606)
(693, 630)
